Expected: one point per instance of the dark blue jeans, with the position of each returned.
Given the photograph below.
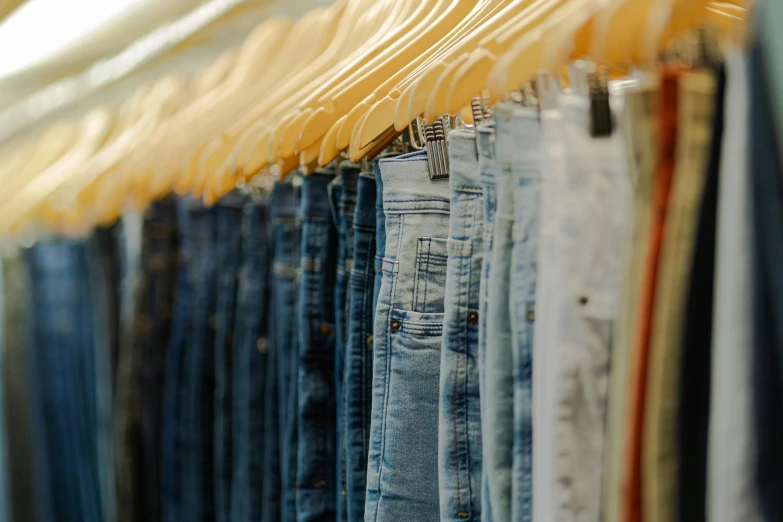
(229, 250)
(198, 379)
(171, 429)
(154, 306)
(250, 364)
(358, 354)
(62, 374)
(343, 208)
(283, 210)
(316, 466)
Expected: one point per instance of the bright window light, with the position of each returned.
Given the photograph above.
(40, 28)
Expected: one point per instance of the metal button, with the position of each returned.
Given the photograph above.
(369, 341)
(396, 325)
(583, 300)
(531, 315)
(262, 345)
(326, 330)
(473, 317)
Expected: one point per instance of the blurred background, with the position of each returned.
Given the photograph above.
(58, 59)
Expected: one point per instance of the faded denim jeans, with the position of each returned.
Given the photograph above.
(402, 472)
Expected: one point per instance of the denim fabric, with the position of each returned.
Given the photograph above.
(229, 251)
(525, 143)
(498, 411)
(172, 413)
(17, 392)
(486, 164)
(154, 308)
(129, 396)
(198, 381)
(358, 356)
(349, 176)
(104, 266)
(5, 504)
(380, 225)
(284, 204)
(316, 466)
(63, 374)
(459, 427)
(766, 170)
(250, 372)
(402, 471)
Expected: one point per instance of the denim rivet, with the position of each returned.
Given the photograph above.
(368, 341)
(326, 330)
(396, 325)
(473, 317)
(531, 315)
(583, 300)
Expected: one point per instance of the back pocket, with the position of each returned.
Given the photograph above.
(429, 287)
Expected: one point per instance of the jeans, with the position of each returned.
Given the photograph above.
(402, 471)
(767, 208)
(380, 225)
(250, 364)
(316, 466)
(525, 143)
(359, 343)
(283, 208)
(343, 211)
(266, 425)
(171, 430)
(459, 426)
(154, 306)
(229, 217)
(17, 393)
(198, 379)
(486, 164)
(62, 374)
(104, 267)
(498, 415)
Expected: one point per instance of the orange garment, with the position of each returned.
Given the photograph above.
(663, 180)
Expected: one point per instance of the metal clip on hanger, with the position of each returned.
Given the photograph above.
(436, 146)
(601, 124)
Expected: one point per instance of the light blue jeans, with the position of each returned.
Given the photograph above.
(402, 472)
(459, 427)
(486, 162)
(524, 142)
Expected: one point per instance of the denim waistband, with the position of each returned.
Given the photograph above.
(463, 161)
(407, 184)
(364, 217)
(314, 187)
(283, 202)
(378, 181)
(349, 172)
(234, 199)
(486, 151)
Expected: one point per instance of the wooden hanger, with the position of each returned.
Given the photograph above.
(261, 147)
(338, 102)
(96, 128)
(65, 184)
(305, 44)
(389, 110)
(284, 140)
(389, 90)
(219, 157)
(307, 36)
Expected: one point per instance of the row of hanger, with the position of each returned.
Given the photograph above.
(342, 80)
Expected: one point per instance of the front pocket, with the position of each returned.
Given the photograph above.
(429, 285)
(416, 330)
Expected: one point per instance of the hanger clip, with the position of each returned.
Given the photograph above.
(436, 145)
(601, 124)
